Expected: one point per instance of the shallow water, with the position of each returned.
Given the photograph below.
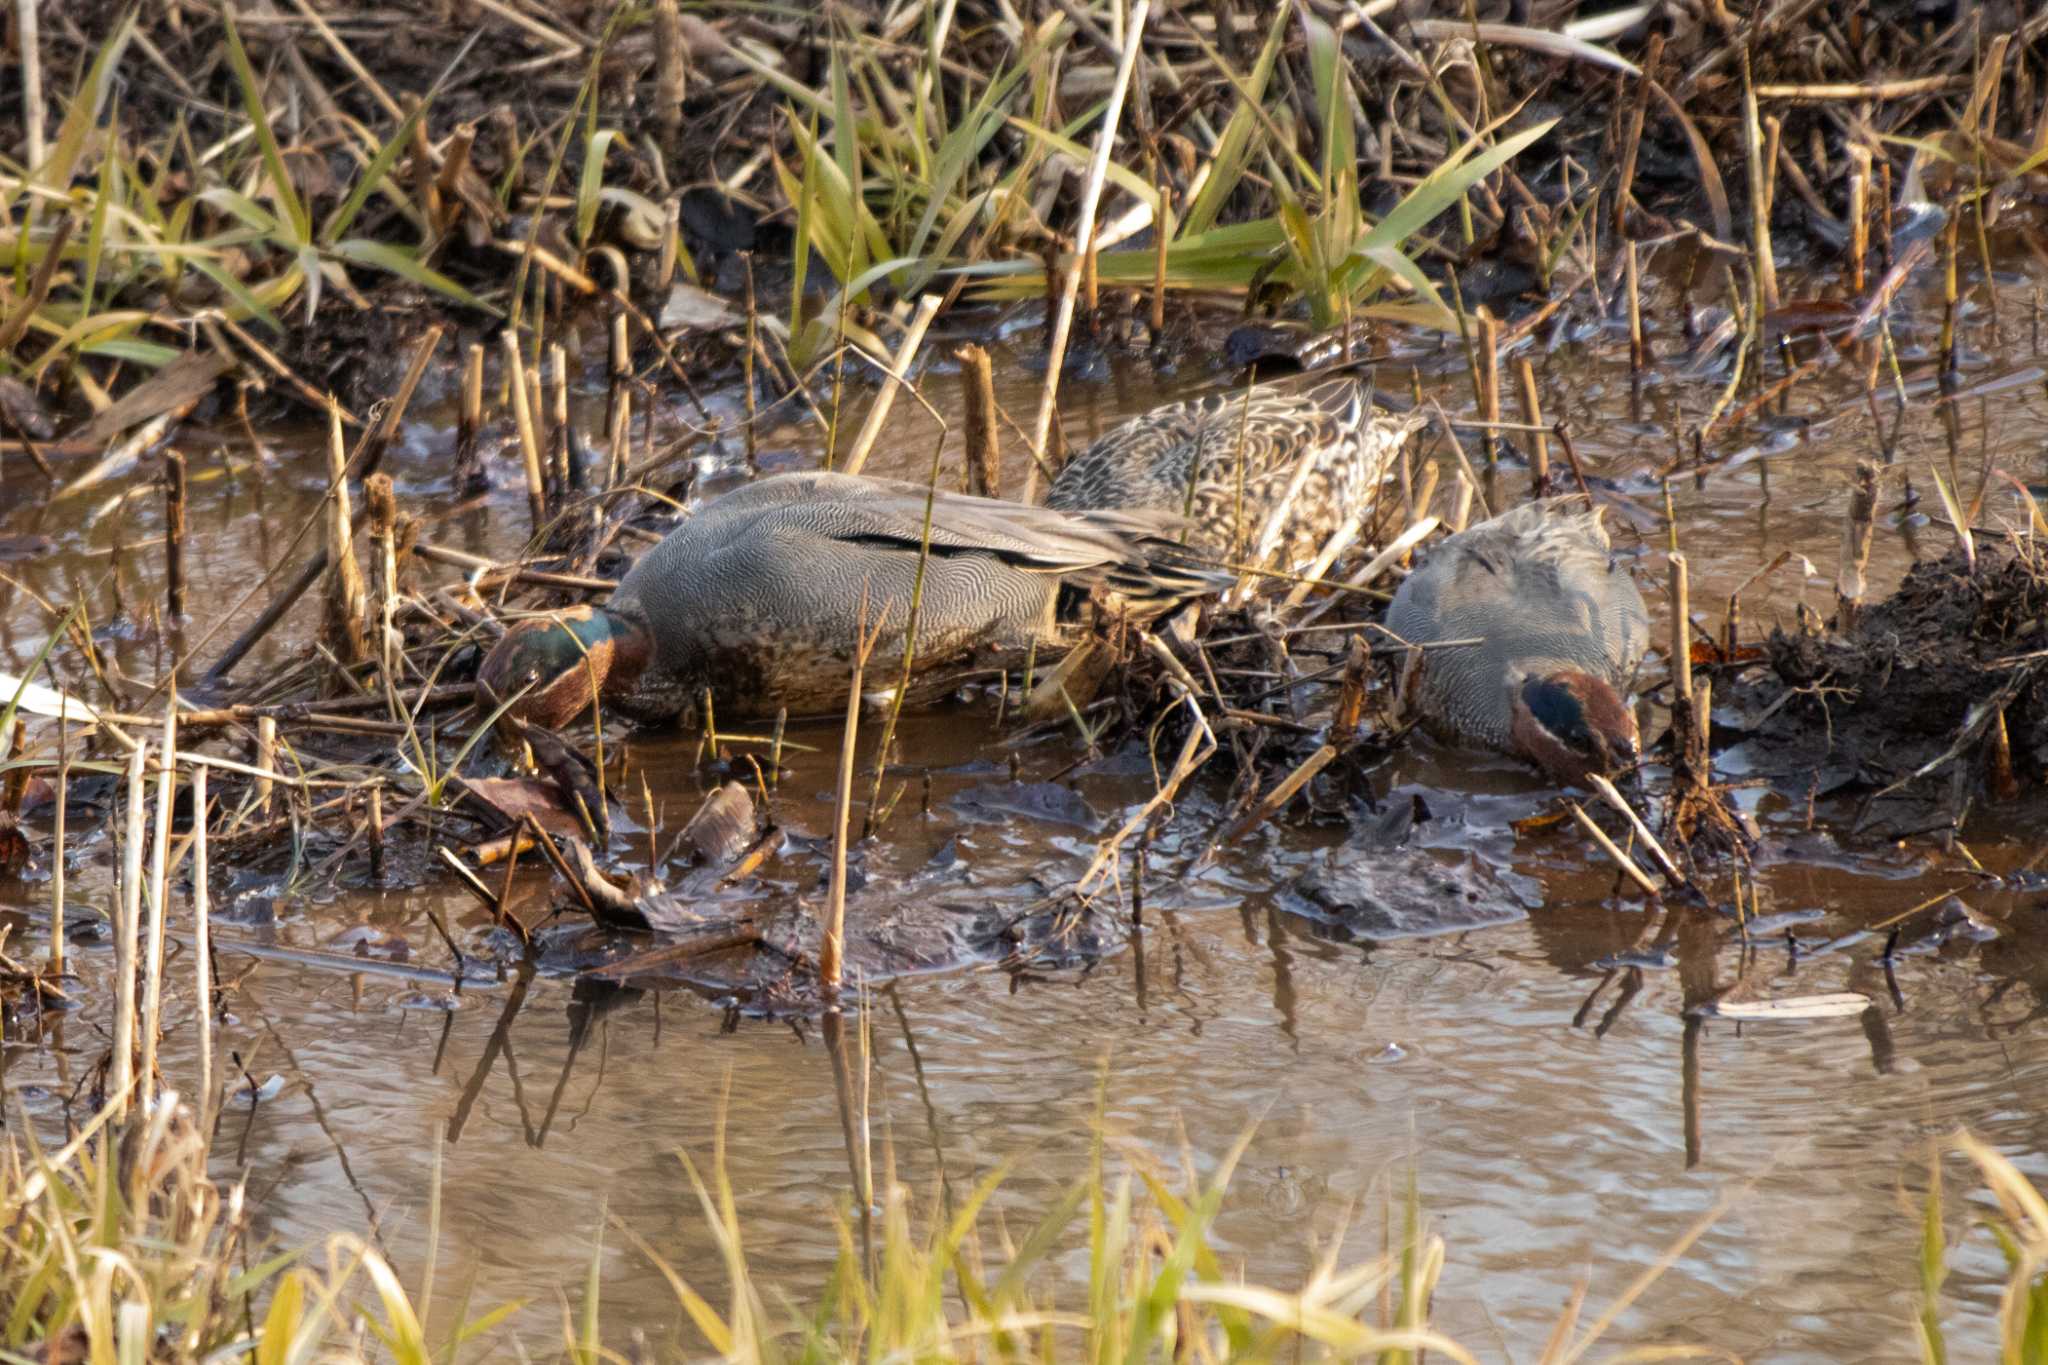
(1564, 1121)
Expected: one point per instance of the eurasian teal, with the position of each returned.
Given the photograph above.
(1562, 628)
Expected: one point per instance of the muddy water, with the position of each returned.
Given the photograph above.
(1564, 1120)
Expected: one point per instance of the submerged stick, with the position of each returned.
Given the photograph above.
(1084, 242)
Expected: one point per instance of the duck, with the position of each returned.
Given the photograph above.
(761, 595)
(1228, 462)
(1563, 628)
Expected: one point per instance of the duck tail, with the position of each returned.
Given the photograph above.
(1160, 575)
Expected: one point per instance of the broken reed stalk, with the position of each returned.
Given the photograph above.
(159, 902)
(375, 831)
(984, 454)
(347, 599)
(1489, 382)
(568, 459)
(382, 500)
(127, 914)
(1637, 357)
(1856, 538)
(832, 954)
(1950, 244)
(529, 441)
(1859, 213)
(1084, 244)
(1539, 441)
(899, 366)
(266, 762)
(470, 476)
(202, 948)
(618, 401)
(671, 240)
(1681, 634)
(174, 532)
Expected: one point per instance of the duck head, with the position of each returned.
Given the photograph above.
(563, 662)
(1571, 724)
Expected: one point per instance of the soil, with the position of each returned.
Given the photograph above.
(1909, 682)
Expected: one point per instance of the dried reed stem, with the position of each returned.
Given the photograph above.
(618, 400)
(671, 66)
(266, 762)
(899, 366)
(1084, 244)
(202, 945)
(1760, 179)
(529, 442)
(1859, 213)
(1681, 633)
(1621, 859)
(159, 902)
(31, 80)
(832, 955)
(128, 915)
(1539, 441)
(57, 848)
(1637, 357)
(347, 598)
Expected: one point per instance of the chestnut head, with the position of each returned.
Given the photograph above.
(562, 662)
(1572, 725)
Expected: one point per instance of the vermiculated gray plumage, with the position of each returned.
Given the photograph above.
(759, 595)
(1540, 586)
(1227, 461)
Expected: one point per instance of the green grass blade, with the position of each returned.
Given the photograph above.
(344, 217)
(405, 265)
(295, 214)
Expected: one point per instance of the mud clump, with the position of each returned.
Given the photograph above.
(1921, 678)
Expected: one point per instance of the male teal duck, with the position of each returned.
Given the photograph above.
(1563, 628)
(760, 595)
(1229, 462)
